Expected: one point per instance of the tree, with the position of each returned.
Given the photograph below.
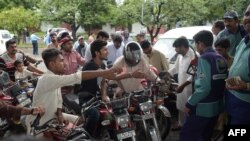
(27, 4)
(87, 13)
(18, 19)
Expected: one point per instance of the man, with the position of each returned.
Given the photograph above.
(48, 90)
(47, 38)
(134, 67)
(101, 35)
(140, 37)
(238, 82)
(115, 49)
(80, 46)
(221, 46)
(218, 26)
(154, 57)
(126, 37)
(7, 60)
(234, 32)
(206, 103)
(72, 60)
(184, 90)
(34, 40)
(54, 43)
(90, 88)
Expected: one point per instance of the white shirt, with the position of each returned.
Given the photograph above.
(48, 94)
(88, 55)
(114, 53)
(134, 84)
(23, 74)
(180, 67)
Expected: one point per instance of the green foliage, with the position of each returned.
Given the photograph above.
(18, 19)
(27, 4)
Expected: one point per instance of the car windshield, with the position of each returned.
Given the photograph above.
(165, 45)
(6, 36)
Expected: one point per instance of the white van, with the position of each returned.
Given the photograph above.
(165, 42)
(4, 37)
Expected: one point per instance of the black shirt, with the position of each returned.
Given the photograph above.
(91, 85)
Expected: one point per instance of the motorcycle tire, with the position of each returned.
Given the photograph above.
(164, 124)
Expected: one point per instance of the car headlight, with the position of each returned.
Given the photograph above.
(21, 97)
(146, 106)
(123, 120)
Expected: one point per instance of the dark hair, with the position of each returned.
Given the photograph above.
(52, 34)
(117, 38)
(219, 24)
(49, 55)
(17, 62)
(10, 42)
(145, 44)
(102, 34)
(204, 36)
(181, 41)
(97, 45)
(222, 43)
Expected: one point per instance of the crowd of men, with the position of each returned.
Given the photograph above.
(222, 75)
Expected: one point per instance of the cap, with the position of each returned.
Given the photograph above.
(65, 40)
(80, 37)
(231, 15)
(140, 34)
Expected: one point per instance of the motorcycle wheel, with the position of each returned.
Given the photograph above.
(164, 124)
(105, 136)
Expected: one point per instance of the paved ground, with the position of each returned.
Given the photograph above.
(173, 136)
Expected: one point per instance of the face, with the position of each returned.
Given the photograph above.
(81, 42)
(53, 39)
(103, 53)
(68, 46)
(20, 67)
(104, 39)
(199, 47)
(58, 65)
(180, 50)
(139, 39)
(221, 51)
(231, 24)
(215, 30)
(147, 50)
(246, 20)
(12, 49)
(117, 44)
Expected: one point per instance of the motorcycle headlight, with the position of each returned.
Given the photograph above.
(123, 120)
(146, 106)
(21, 97)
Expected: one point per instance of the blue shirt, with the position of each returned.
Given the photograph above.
(33, 37)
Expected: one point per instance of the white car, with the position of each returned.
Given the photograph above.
(165, 42)
(4, 37)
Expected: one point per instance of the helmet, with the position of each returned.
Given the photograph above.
(64, 40)
(132, 53)
(62, 34)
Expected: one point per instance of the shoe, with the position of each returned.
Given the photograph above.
(178, 128)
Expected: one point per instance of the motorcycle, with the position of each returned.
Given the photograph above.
(53, 130)
(115, 122)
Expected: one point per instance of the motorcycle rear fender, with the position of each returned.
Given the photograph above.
(164, 110)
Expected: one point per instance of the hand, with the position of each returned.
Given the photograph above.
(138, 74)
(38, 110)
(186, 111)
(105, 99)
(116, 70)
(241, 85)
(62, 121)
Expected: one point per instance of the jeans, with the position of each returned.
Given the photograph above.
(35, 47)
(92, 116)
